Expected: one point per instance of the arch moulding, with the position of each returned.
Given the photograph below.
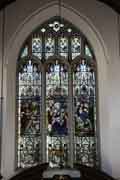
(11, 56)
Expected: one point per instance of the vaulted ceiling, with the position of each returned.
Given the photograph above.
(114, 4)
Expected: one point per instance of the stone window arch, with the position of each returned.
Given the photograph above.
(56, 97)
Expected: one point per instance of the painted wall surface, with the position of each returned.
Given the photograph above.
(100, 25)
(0, 45)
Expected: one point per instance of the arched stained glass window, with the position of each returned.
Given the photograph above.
(29, 111)
(56, 98)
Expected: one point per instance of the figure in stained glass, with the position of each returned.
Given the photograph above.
(57, 118)
(56, 89)
(49, 46)
(76, 47)
(63, 46)
(37, 47)
(57, 151)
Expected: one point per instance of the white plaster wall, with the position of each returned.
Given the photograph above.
(99, 24)
(0, 61)
(0, 45)
(114, 114)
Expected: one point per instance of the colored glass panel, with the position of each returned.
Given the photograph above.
(63, 47)
(57, 116)
(57, 151)
(84, 98)
(84, 111)
(49, 47)
(85, 151)
(88, 51)
(76, 47)
(56, 99)
(57, 80)
(29, 112)
(44, 99)
(37, 47)
(56, 25)
(29, 151)
(24, 52)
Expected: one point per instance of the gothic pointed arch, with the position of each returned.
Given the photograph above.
(56, 97)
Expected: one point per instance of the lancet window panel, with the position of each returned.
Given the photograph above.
(85, 150)
(84, 97)
(56, 110)
(75, 46)
(57, 113)
(58, 151)
(63, 46)
(37, 46)
(28, 111)
(24, 52)
(49, 46)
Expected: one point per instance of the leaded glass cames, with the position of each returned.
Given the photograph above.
(56, 98)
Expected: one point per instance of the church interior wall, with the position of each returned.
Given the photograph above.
(99, 20)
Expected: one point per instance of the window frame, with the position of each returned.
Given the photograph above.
(82, 56)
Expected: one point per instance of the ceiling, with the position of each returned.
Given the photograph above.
(114, 4)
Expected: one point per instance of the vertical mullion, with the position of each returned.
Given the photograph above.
(43, 124)
(43, 103)
(69, 49)
(43, 47)
(70, 101)
(70, 93)
(82, 46)
(56, 45)
(29, 42)
(71, 125)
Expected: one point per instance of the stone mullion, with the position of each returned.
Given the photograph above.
(70, 100)
(82, 46)
(43, 125)
(29, 43)
(43, 103)
(56, 45)
(71, 125)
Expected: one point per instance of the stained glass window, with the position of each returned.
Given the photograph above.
(76, 46)
(63, 46)
(24, 52)
(88, 51)
(56, 98)
(37, 47)
(84, 110)
(29, 112)
(49, 46)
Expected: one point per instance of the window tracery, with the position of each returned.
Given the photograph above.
(56, 74)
